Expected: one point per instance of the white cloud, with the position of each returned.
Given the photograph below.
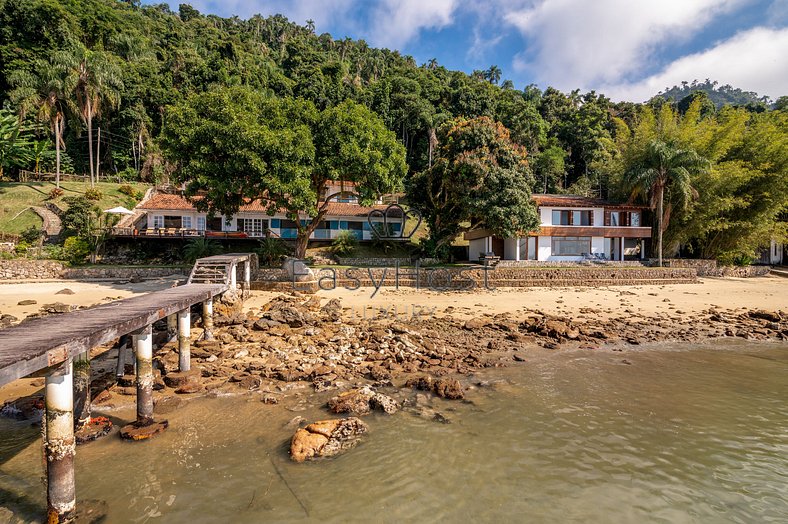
(581, 43)
(753, 60)
(396, 22)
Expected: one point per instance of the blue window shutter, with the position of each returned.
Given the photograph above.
(274, 222)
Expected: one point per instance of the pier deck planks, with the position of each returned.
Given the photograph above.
(48, 341)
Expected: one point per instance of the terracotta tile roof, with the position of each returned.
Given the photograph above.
(164, 201)
(355, 210)
(549, 200)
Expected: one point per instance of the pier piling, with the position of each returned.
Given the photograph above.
(207, 318)
(184, 340)
(172, 327)
(81, 390)
(144, 427)
(59, 444)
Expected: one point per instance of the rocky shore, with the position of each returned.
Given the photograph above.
(297, 343)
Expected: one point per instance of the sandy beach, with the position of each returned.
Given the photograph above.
(726, 293)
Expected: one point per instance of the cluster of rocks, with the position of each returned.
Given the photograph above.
(294, 338)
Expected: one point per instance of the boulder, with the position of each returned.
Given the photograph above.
(449, 388)
(356, 401)
(65, 291)
(297, 271)
(27, 302)
(177, 379)
(326, 438)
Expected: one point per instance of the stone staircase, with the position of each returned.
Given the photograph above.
(208, 271)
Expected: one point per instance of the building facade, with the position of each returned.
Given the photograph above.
(172, 215)
(572, 228)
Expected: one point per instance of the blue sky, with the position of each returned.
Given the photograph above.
(627, 49)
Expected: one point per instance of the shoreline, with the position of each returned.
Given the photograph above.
(285, 343)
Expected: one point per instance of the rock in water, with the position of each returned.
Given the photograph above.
(326, 438)
(65, 291)
(449, 388)
(355, 401)
(27, 302)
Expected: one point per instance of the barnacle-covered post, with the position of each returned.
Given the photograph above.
(207, 318)
(233, 276)
(172, 326)
(144, 427)
(81, 390)
(184, 340)
(247, 275)
(59, 445)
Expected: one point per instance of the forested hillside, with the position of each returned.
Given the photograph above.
(134, 63)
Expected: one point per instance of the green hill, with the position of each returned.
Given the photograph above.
(17, 198)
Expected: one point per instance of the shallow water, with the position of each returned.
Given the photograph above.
(695, 435)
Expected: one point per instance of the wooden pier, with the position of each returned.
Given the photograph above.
(51, 345)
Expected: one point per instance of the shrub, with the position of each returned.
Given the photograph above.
(201, 248)
(21, 247)
(75, 250)
(56, 192)
(31, 235)
(271, 251)
(128, 189)
(344, 244)
(93, 194)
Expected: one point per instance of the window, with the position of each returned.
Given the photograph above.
(571, 246)
(254, 227)
(615, 219)
(158, 222)
(634, 219)
(172, 222)
(186, 222)
(200, 223)
(572, 218)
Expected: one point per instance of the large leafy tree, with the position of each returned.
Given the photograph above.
(234, 145)
(480, 180)
(42, 92)
(665, 167)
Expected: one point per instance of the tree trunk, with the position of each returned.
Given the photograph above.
(302, 242)
(660, 196)
(98, 154)
(57, 151)
(89, 122)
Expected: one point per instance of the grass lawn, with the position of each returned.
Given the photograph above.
(16, 199)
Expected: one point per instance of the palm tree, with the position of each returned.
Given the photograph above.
(494, 74)
(95, 81)
(43, 91)
(665, 166)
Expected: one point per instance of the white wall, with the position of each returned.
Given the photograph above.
(545, 247)
(510, 249)
(475, 247)
(775, 252)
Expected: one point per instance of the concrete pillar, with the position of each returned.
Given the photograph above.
(143, 345)
(207, 318)
(59, 444)
(123, 344)
(233, 277)
(517, 249)
(247, 274)
(172, 327)
(621, 255)
(184, 340)
(81, 368)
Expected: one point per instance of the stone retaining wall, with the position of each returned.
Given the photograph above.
(474, 278)
(22, 269)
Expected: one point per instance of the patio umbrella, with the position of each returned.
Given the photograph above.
(120, 210)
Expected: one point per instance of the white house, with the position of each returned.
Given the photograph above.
(571, 228)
